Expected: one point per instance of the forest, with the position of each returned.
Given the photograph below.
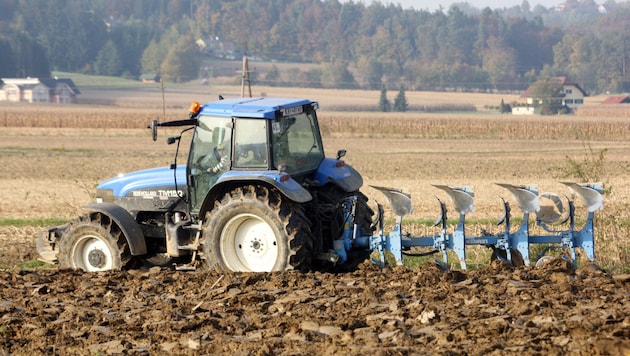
(360, 44)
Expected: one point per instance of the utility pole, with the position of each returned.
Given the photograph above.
(163, 101)
(245, 78)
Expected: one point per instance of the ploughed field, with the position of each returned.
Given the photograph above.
(50, 171)
(495, 310)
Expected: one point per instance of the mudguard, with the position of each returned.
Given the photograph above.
(343, 176)
(127, 224)
(288, 187)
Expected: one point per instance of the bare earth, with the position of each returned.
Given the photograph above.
(496, 310)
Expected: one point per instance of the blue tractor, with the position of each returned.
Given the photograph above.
(257, 194)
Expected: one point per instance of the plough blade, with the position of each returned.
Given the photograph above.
(590, 193)
(399, 201)
(526, 197)
(462, 197)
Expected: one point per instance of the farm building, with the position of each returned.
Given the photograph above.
(150, 78)
(38, 90)
(571, 95)
(523, 110)
(617, 99)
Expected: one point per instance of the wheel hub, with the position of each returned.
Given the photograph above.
(256, 246)
(97, 258)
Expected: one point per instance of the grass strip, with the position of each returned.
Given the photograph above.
(39, 222)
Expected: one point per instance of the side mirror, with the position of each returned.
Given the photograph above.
(153, 127)
(341, 153)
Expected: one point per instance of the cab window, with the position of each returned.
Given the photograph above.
(250, 143)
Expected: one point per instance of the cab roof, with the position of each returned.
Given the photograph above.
(250, 107)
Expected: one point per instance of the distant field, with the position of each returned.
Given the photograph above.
(133, 93)
(177, 96)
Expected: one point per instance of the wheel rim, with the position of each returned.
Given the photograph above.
(92, 254)
(248, 243)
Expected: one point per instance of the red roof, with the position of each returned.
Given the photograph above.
(618, 99)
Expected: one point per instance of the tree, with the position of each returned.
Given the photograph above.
(337, 75)
(7, 60)
(374, 70)
(181, 62)
(500, 63)
(108, 61)
(383, 103)
(505, 108)
(459, 49)
(400, 102)
(69, 31)
(295, 77)
(273, 76)
(152, 58)
(27, 55)
(131, 39)
(547, 95)
(314, 78)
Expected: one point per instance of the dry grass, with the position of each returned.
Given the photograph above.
(341, 123)
(53, 156)
(621, 111)
(474, 125)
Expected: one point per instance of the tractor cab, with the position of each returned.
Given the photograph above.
(251, 139)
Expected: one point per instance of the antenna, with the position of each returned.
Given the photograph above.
(245, 78)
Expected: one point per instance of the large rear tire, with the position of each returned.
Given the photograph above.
(256, 229)
(94, 244)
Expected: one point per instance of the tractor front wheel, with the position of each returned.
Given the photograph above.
(93, 244)
(255, 229)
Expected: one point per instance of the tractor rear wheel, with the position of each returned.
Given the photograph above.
(93, 244)
(255, 229)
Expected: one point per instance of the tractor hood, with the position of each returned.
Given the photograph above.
(149, 183)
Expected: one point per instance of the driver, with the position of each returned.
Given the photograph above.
(221, 155)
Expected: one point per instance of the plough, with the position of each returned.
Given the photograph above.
(507, 245)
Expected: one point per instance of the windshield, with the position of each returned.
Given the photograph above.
(296, 143)
(209, 157)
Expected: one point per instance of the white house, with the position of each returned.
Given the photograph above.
(571, 95)
(38, 90)
(523, 110)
